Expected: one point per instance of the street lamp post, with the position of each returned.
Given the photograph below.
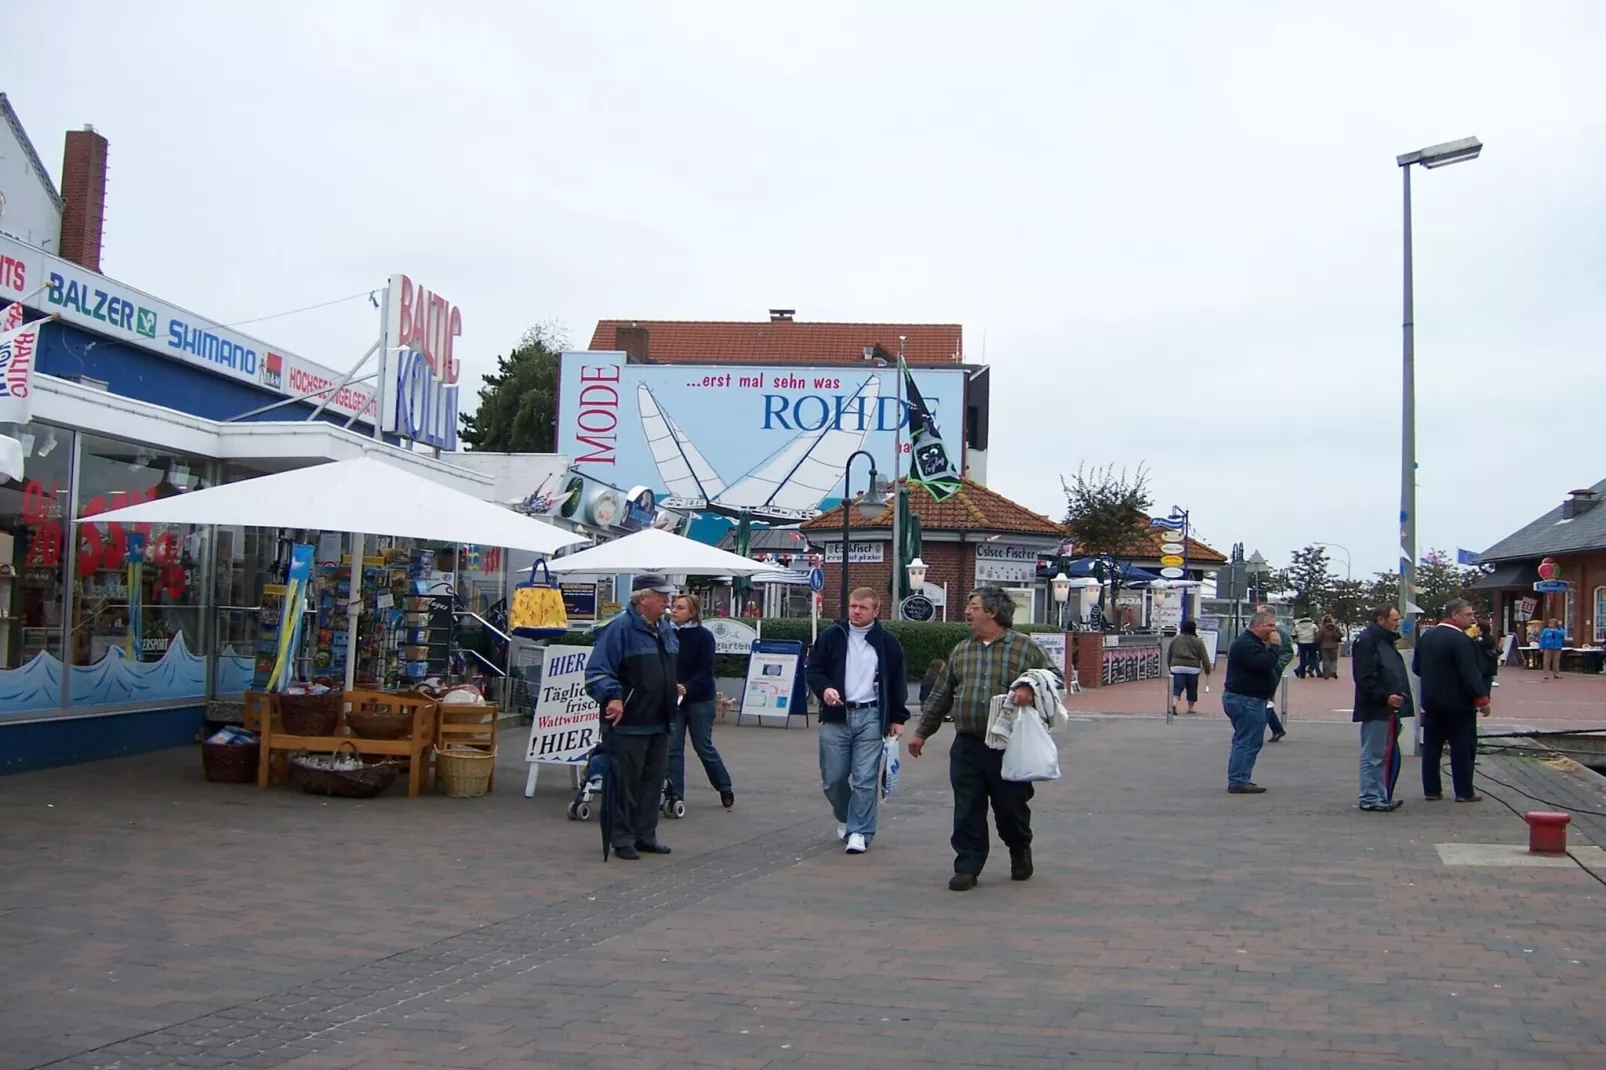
(870, 507)
(1450, 152)
(1339, 546)
(1061, 586)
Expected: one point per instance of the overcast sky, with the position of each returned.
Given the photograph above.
(1176, 236)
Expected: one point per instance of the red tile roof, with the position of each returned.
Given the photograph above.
(1145, 544)
(974, 508)
(785, 341)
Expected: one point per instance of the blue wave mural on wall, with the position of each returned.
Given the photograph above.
(34, 685)
(233, 673)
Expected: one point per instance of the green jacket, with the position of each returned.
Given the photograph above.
(1285, 652)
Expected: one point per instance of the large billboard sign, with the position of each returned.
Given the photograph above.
(771, 440)
(90, 300)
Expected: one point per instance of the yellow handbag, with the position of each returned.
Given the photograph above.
(537, 609)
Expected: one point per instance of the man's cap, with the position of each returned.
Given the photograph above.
(651, 581)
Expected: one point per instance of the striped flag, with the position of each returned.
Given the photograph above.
(1170, 523)
(929, 465)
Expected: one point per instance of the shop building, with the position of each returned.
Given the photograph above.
(1143, 558)
(114, 639)
(977, 536)
(1572, 538)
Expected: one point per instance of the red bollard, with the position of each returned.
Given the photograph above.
(1547, 832)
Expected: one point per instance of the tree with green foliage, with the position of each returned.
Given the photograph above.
(518, 409)
(1439, 580)
(1349, 603)
(1108, 513)
(1309, 580)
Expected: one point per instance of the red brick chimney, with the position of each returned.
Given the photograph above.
(634, 340)
(83, 187)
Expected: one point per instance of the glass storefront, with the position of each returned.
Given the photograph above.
(138, 615)
(33, 558)
(104, 617)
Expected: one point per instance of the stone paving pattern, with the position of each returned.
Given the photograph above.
(150, 919)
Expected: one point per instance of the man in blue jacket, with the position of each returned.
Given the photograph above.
(1252, 675)
(856, 669)
(631, 674)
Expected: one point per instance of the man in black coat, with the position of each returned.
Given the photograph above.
(1382, 693)
(856, 669)
(1454, 689)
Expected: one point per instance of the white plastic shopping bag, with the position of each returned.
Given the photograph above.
(889, 766)
(1031, 753)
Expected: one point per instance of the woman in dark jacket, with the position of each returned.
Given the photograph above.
(695, 670)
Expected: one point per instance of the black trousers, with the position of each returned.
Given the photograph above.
(639, 765)
(1460, 732)
(975, 771)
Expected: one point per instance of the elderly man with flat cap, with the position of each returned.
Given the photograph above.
(631, 674)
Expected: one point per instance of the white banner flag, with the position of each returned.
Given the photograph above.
(11, 317)
(17, 349)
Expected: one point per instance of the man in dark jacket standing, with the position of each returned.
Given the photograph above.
(1454, 690)
(1253, 670)
(631, 674)
(1382, 694)
(856, 669)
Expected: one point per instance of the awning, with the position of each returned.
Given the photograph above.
(1508, 575)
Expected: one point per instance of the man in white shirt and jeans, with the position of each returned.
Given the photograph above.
(856, 669)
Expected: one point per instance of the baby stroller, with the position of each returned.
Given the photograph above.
(591, 790)
(590, 786)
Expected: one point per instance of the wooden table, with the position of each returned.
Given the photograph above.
(277, 744)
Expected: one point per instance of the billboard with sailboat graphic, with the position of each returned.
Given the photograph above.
(771, 440)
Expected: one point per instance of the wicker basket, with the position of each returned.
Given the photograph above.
(463, 772)
(310, 715)
(227, 763)
(312, 772)
(380, 724)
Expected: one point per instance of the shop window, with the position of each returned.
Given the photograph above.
(138, 623)
(33, 538)
(1600, 615)
(246, 559)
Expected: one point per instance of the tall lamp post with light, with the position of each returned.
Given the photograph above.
(1339, 546)
(1449, 152)
(870, 506)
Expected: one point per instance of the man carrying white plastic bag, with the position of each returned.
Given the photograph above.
(988, 666)
(1022, 732)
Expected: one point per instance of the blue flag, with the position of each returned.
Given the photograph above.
(1465, 557)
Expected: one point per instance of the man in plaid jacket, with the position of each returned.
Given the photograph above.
(984, 665)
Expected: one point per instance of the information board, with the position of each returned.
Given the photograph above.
(774, 685)
(566, 718)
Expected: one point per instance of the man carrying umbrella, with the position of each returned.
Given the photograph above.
(631, 674)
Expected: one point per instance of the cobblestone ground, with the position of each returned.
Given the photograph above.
(150, 919)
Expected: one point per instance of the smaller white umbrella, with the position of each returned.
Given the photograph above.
(659, 551)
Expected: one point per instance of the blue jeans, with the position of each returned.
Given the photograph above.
(698, 719)
(1273, 722)
(850, 765)
(1248, 716)
(1380, 760)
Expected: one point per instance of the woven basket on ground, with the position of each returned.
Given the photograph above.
(464, 772)
(316, 777)
(310, 715)
(380, 724)
(226, 763)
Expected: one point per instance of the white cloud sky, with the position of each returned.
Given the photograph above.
(1176, 225)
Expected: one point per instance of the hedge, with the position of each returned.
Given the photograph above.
(923, 641)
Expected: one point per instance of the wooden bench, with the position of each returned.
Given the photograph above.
(414, 748)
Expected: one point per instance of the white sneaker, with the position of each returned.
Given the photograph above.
(856, 844)
(841, 832)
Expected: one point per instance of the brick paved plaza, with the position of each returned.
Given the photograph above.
(150, 919)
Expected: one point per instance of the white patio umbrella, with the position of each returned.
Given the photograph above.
(659, 551)
(364, 496)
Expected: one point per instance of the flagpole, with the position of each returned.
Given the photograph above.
(897, 496)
